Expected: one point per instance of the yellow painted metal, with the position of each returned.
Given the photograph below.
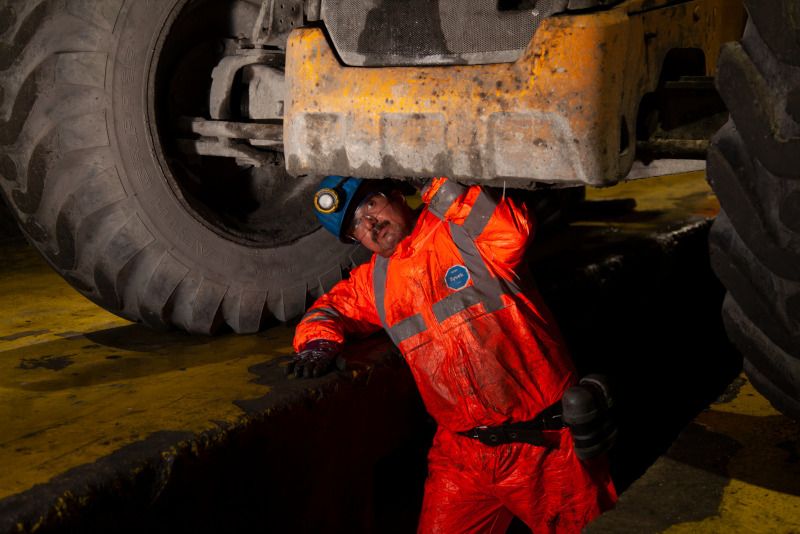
(763, 490)
(77, 383)
(554, 115)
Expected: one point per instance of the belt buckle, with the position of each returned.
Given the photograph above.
(491, 436)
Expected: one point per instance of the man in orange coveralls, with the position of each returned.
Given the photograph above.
(486, 354)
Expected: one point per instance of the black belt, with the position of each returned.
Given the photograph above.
(525, 431)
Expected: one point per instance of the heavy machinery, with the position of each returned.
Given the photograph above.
(161, 154)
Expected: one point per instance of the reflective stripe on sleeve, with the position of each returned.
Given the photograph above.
(320, 313)
(480, 214)
(317, 319)
(447, 193)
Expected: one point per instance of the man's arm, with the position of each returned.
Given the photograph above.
(347, 309)
(505, 238)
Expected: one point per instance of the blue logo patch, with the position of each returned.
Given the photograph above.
(456, 277)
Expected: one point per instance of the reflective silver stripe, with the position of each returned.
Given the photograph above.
(379, 287)
(428, 184)
(317, 319)
(484, 283)
(319, 314)
(456, 302)
(480, 214)
(447, 193)
(404, 329)
(330, 312)
(410, 326)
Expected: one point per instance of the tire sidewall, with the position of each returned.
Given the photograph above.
(141, 29)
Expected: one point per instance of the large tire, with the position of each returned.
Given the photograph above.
(754, 168)
(84, 170)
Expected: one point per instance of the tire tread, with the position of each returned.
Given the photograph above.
(754, 168)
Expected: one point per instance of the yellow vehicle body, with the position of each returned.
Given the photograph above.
(564, 112)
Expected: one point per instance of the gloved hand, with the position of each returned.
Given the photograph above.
(315, 359)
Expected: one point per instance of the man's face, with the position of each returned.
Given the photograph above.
(381, 221)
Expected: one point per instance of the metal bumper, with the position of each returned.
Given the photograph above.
(565, 112)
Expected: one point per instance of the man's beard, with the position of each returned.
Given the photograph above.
(376, 230)
(390, 240)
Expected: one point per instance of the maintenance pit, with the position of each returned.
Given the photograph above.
(111, 426)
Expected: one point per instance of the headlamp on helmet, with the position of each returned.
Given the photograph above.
(326, 200)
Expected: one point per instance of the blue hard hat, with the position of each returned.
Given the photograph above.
(332, 200)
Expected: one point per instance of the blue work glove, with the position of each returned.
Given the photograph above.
(317, 358)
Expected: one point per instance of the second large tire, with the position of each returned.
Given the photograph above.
(754, 168)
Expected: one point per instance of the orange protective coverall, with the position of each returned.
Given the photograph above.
(484, 350)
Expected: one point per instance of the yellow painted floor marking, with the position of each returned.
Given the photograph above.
(77, 383)
(763, 494)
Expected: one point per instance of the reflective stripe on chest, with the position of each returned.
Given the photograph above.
(485, 288)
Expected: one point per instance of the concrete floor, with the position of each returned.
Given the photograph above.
(77, 383)
(100, 418)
